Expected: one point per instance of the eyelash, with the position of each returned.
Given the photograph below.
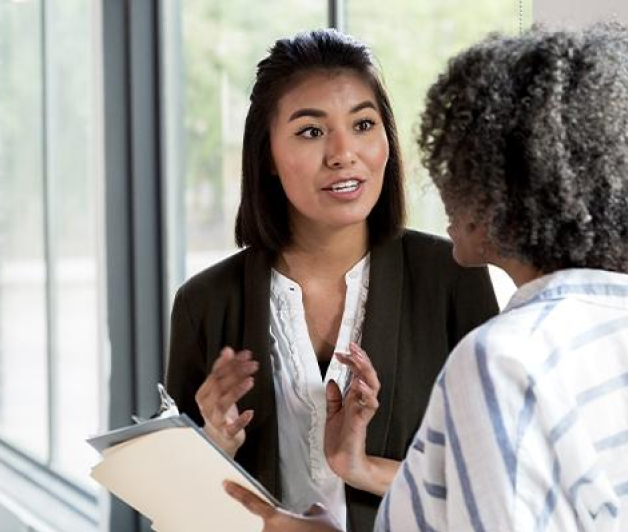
(370, 122)
(302, 132)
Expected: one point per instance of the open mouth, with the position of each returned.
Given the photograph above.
(346, 186)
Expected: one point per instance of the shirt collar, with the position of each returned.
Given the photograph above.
(579, 283)
(358, 274)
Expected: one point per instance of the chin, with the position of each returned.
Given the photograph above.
(348, 219)
(466, 261)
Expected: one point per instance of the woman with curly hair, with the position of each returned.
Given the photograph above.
(526, 139)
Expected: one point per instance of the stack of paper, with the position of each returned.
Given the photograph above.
(171, 472)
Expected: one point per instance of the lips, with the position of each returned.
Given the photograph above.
(344, 186)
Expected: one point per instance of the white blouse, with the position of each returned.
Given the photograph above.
(300, 390)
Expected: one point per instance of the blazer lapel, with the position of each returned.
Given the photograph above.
(256, 337)
(380, 335)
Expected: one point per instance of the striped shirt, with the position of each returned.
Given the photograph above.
(527, 426)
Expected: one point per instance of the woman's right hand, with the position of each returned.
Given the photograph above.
(230, 379)
(316, 519)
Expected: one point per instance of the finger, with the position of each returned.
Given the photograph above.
(334, 399)
(226, 364)
(360, 368)
(241, 360)
(235, 373)
(225, 392)
(364, 366)
(249, 500)
(227, 400)
(365, 395)
(239, 423)
(226, 354)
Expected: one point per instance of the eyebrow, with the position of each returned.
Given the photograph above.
(319, 113)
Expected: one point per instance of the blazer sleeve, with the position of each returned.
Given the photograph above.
(187, 364)
(473, 303)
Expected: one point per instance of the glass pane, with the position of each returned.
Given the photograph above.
(213, 46)
(426, 34)
(23, 330)
(74, 232)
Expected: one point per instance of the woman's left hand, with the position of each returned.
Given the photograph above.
(348, 419)
(316, 519)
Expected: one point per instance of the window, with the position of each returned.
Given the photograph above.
(50, 235)
(53, 332)
(214, 47)
(426, 35)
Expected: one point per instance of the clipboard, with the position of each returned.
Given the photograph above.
(170, 471)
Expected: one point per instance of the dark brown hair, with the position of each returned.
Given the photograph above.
(262, 220)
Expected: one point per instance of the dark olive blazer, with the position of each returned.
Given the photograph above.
(420, 304)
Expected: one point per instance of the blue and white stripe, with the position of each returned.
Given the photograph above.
(527, 428)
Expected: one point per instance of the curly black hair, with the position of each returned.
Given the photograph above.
(530, 135)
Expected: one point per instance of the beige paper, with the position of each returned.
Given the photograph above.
(174, 477)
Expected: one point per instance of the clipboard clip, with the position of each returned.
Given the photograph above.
(167, 406)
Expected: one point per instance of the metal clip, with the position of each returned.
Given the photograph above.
(167, 407)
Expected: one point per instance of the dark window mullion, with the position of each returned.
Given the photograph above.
(337, 14)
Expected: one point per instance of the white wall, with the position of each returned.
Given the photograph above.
(576, 13)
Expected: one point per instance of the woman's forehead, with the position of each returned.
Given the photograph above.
(326, 90)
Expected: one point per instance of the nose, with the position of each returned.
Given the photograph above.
(341, 150)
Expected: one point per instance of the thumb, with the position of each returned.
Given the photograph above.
(334, 399)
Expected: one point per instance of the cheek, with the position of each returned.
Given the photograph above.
(294, 160)
(287, 166)
(378, 152)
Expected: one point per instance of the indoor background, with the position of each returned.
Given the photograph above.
(120, 136)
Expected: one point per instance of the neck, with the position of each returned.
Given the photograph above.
(520, 272)
(323, 253)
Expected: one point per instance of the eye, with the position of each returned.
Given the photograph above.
(310, 132)
(364, 125)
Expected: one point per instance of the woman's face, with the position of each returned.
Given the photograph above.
(329, 149)
(469, 238)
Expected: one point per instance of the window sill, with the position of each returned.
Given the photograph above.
(41, 499)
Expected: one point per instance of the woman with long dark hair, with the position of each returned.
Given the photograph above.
(257, 344)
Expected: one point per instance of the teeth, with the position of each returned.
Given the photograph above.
(345, 186)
